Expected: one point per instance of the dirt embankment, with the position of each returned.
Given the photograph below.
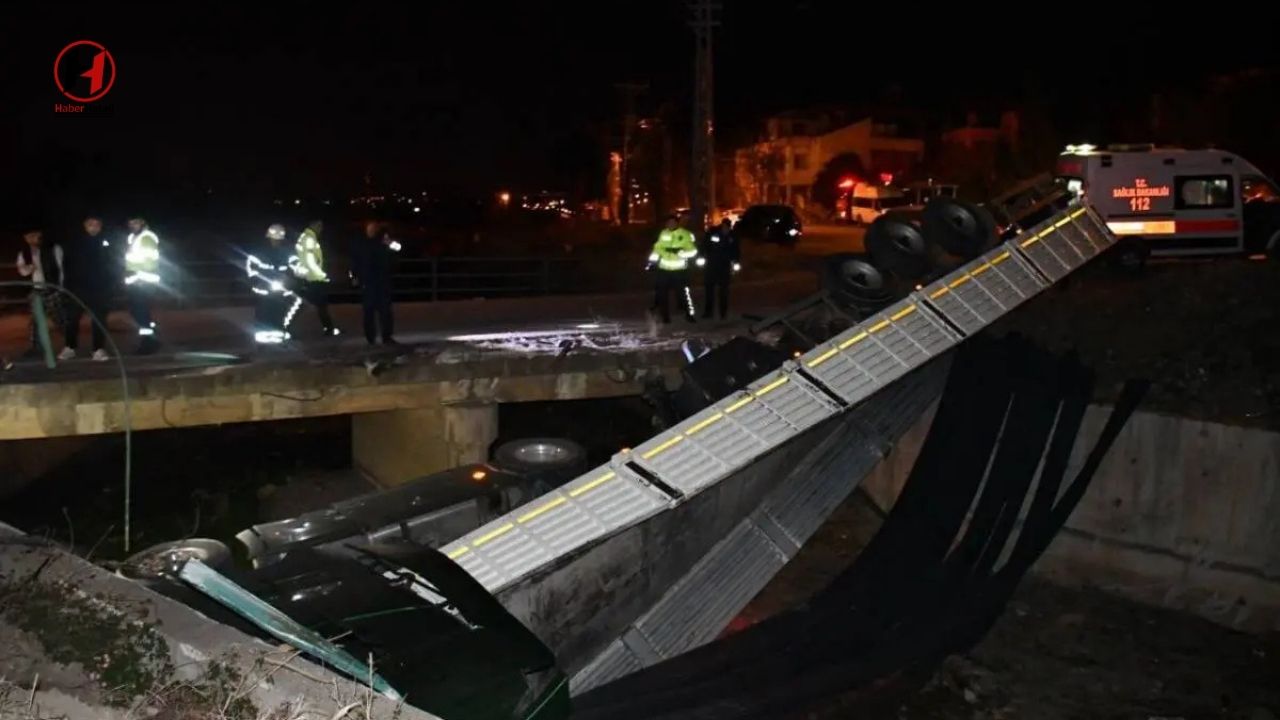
(1206, 333)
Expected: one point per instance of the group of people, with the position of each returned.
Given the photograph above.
(283, 277)
(675, 254)
(92, 268)
(95, 265)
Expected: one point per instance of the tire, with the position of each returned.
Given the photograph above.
(541, 456)
(1272, 247)
(896, 244)
(1131, 255)
(166, 559)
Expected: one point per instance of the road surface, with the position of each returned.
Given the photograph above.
(197, 337)
(829, 239)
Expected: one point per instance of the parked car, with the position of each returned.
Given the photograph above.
(769, 223)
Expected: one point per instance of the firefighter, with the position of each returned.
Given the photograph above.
(671, 255)
(270, 275)
(90, 265)
(41, 262)
(312, 284)
(141, 280)
(371, 258)
(719, 261)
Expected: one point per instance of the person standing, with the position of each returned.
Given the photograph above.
(90, 273)
(141, 280)
(41, 262)
(671, 255)
(371, 259)
(313, 282)
(269, 277)
(721, 255)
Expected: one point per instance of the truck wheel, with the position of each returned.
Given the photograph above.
(166, 559)
(541, 456)
(1131, 255)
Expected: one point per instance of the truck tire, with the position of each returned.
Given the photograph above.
(541, 456)
(165, 559)
(1131, 254)
(1272, 248)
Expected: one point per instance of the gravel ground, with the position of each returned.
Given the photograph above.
(1055, 654)
(1205, 333)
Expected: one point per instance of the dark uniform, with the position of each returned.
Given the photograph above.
(270, 277)
(90, 265)
(721, 252)
(371, 259)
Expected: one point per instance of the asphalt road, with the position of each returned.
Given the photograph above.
(829, 239)
(186, 334)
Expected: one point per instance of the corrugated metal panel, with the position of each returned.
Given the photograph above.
(739, 429)
(879, 350)
(592, 507)
(704, 601)
(616, 660)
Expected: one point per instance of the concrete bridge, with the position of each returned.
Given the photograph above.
(416, 410)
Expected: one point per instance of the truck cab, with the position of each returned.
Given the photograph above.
(1171, 202)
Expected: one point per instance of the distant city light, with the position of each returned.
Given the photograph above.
(417, 209)
(297, 201)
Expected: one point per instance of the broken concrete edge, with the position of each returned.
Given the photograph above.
(253, 394)
(269, 677)
(1182, 514)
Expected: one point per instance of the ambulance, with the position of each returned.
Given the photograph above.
(1170, 202)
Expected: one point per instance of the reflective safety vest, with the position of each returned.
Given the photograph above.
(674, 249)
(269, 275)
(142, 258)
(310, 258)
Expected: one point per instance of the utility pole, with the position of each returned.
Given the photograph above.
(629, 93)
(702, 182)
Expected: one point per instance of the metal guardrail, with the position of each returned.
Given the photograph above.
(211, 283)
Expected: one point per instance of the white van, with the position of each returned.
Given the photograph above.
(871, 201)
(1169, 202)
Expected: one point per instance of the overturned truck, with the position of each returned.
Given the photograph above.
(630, 571)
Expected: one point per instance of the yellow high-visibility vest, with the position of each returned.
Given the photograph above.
(674, 249)
(310, 258)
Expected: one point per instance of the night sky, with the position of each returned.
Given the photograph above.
(476, 96)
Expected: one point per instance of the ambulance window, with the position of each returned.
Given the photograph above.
(1204, 192)
(1257, 189)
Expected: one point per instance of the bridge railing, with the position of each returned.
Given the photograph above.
(212, 283)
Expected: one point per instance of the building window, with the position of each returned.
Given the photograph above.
(801, 161)
(1203, 192)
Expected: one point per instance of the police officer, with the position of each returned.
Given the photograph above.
(270, 277)
(671, 256)
(141, 280)
(719, 261)
(371, 258)
(90, 266)
(313, 283)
